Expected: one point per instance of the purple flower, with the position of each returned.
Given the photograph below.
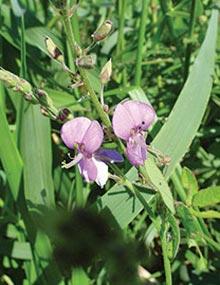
(87, 136)
(131, 118)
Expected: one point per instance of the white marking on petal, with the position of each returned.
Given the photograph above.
(102, 172)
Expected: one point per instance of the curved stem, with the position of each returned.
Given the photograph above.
(83, 72)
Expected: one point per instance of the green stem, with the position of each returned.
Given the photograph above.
(121, 10)
(121, 40)
(139, 55)
(167, 7)
(189, 45)
(178, 186)
(166, 261)
(83, 72)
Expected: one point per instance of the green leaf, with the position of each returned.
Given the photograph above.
(17, 9)
(190, 223)
(159, 183)
(189, 183)
(207, 197)
(36, 37)
(183, 122)
(79, 277)
(175, 235)
(37, 156)
(10, 156)
(121, 204)
(63, 99)
(16, 249)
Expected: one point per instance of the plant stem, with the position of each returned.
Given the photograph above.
(166, 260)
(83, 72)
(139, 55)
(167, 7)
(189, 45)
(121, 15)
(121, 40)
(178, 186)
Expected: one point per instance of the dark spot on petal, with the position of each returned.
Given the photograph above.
(143, 122)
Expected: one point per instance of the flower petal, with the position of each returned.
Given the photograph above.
(122, 122)
(108, 155)
(136, 150)
(93, 137)
(88, 169)
(72, 132)
(102, 172)
(142, 113)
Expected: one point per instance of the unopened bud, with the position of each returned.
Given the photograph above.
(17, 84)
(106, 72)
(103, 31)
(64, 115)
(106, 108)
(86, 61)
(53, 50)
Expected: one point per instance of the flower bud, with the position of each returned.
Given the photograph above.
(103, 31)
(17, 84)
(106, 108)
(86, 61)
(64, 115)
(44, 98)
(106, 72)
(53, 50)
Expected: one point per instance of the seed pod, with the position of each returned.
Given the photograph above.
(106, 72)
(103, 31)
(17, 84)
(86, 61)
(53, 50)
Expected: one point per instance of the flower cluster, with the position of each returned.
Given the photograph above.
(130, 119)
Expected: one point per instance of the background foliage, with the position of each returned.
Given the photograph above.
(55, 228)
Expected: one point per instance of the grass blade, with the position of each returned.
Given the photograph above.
(185, 119)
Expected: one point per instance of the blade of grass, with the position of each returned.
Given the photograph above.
(189, 45)
(10, 156)
(183, 122)
(141, 39)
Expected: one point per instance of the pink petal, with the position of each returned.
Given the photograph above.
(72, 132)
(102, 172)
(142, 113)
(82, 130)
(136, 150)
(88, 169)
(93, 137)
(122, 122)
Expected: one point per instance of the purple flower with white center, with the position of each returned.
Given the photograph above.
(130, 119)
(87, 136)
